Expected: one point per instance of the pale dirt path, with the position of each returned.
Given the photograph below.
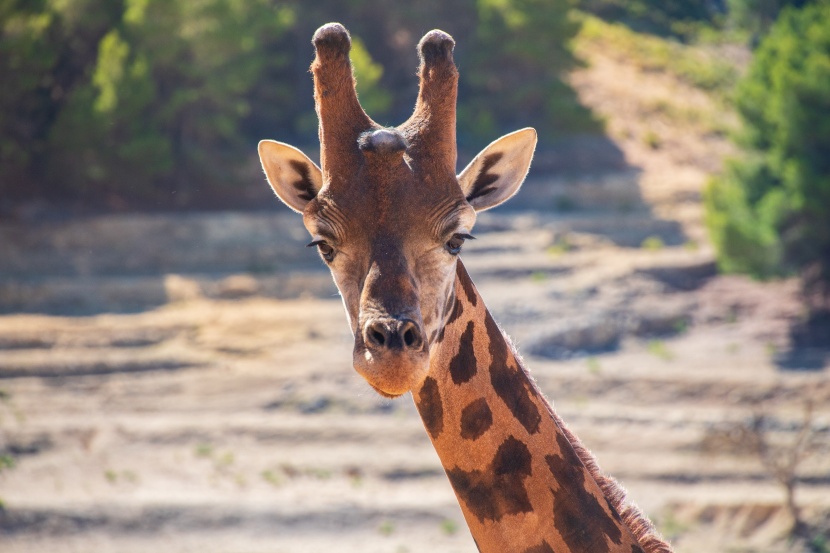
(240, 426)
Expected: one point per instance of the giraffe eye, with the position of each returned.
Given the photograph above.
(326, 251)
(453, 245)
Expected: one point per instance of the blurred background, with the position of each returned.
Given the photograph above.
(175, 364)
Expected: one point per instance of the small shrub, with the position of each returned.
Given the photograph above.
(653, 244)
(449, 526)
(658, 349)
(271, 477)
(538, 276)
(7, 462)
(386, 528)
(652, 140)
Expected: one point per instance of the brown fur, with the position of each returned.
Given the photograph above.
(640, 526)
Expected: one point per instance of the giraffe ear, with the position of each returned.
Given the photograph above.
(295, 178)
(499, 170)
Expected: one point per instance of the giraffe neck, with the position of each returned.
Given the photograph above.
(523, 481)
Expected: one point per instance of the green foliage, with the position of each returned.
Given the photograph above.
(653, 244)
(512, 69)
(159, 103)
(386, 528)
(769, 213)
(7, 462)
(757, 16)
(449, 526)
(373, 98)
(46, 49)
(662, 17)
(658, 349)
(164, 108)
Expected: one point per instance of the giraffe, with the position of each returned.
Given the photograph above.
(389, 216)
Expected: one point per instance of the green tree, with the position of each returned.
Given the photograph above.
(512, 56)
(512, 70)
(662, 17)
(47, 49)
(757, 16)
(159, 103)
(769, 213)
(162, 113)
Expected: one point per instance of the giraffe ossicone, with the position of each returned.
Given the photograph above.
(389, 216)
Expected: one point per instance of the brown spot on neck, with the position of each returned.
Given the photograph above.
(476, 419)
(498, 490)
(511, 384)
(579, 517)
(430, 407)
(463, 364)
(467, 285)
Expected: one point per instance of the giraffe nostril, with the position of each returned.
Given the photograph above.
(377, 337)
(376, 334)
(411, 334)
(393, 335)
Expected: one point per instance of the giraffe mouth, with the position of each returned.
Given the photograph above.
(392, 374)
(384, 394)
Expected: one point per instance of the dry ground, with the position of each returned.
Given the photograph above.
(221, 413)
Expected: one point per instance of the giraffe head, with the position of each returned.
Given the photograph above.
(387, 211)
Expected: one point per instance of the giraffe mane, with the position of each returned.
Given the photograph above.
(644, 532)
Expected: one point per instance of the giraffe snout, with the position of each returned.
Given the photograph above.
(393, 334)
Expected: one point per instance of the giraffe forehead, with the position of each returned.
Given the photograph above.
(400, 208)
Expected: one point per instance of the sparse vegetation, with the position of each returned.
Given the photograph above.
(386, 528)
(782, 454)
(271, 477)
(652, 139)
(449, 526)
(7, 462)
(538, 276)
(113, 476)
(653, 244)
(670, 526)
(561, 245)
(658, 349)
(651, 53)
(225, 460)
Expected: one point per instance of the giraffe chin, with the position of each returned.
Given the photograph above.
(393, 377)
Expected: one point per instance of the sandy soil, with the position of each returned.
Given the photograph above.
(218, 411)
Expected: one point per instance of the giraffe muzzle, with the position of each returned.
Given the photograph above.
(391, 354)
